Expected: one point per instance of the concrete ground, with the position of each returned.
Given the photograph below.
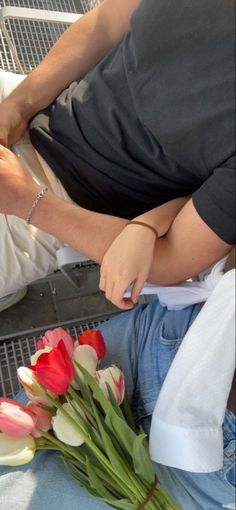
(55, 299)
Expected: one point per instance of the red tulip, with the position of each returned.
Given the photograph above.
(95, 339)
(55, 370)
(53, 337)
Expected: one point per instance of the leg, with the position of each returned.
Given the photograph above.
(144, 342)
(26, 253)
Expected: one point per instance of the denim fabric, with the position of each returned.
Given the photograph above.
(143, 343)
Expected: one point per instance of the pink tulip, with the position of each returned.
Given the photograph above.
(43, 419)
(15, 420)
(53, 337)
(115, 379)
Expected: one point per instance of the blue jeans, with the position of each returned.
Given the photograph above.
(143, 343)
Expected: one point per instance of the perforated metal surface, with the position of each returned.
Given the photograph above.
(87, 5)
(15, 350)
(33, 39)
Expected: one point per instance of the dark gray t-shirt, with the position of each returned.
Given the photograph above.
(154, 120)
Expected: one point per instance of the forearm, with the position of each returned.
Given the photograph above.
(189, 247)
(86, 231)
(163, 216)
(75, 53)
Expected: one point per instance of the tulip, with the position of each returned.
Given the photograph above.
(35, 391)
(86, 356)
(17, 451)
(95, 339)
(43, 419)
(28, 380)
(64, 429)
(53, 337)
(115, 379)
(55, 370)
(14, 419)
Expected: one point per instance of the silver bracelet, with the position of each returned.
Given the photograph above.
(35, 203)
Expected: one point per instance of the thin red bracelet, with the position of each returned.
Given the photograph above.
(134, 222)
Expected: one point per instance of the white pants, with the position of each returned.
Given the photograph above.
(26, 253)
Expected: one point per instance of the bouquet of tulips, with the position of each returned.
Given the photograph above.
(83, 413)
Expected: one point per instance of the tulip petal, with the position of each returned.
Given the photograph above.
(17, 451)
(55, 370)
(86, 356)
(53, 337)
(64, 429)
(15, 420)
(114, 377)
(95, 339)
(43, 419)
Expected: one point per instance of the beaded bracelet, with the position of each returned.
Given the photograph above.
(35, 203)
(134, 222)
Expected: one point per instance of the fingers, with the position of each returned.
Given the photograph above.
(137, 287)
(3, 141)
(114, 291)
(3, 150)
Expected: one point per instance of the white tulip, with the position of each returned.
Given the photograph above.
(64, 429)
(16, 451)
(86, 356)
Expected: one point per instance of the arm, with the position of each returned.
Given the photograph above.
(189, 247)
(130, 256)
(75, 53)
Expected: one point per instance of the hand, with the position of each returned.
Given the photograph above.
(17, 188)
(128, 260)
(12, 124)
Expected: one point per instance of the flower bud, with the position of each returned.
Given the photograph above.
(114, 377)
(15, 420)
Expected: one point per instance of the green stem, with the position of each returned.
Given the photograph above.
(79, 401)
(128, 413)
(102, 458)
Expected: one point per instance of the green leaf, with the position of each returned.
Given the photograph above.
(123, 504)
(141, 459)
(95, 388)
(96, 483)
(115, 406)
(75, 472)
(121, 429)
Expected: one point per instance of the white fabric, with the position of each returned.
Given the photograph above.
(186, 430)
(26, 253)
(177, 297)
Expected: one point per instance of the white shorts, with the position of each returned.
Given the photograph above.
(26, 253)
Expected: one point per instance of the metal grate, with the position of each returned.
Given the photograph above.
(15, 350)
(33, 39)
(87, 5)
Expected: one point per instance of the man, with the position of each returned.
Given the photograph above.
(149, 119)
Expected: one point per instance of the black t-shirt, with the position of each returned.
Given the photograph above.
(154, 120)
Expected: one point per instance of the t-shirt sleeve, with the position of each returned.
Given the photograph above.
(215, 201)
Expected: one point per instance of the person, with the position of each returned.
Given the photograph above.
(148, 343)
(136, 108)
